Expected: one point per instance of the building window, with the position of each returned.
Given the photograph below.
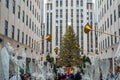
(108, 22)
(47, 22)
(66, 3)
(77, 2)
(26, 39)
(56, 13)
(51, 21)
(108, 41)
(30, 23)
(115, 38)
(30, 5)
(35, 13)
(107, 4)
(26, 20)
(60, 3)
(91, 15)
(104, 8)
(32, 26)
(23, 18)
(114, 15)
(33, 9)
(111, 19)
(19, 12)
(87, 6)
(56, 35)
(13, 31)
(71, 2)
(60, 13)
(110, 2)
(71, 13)
(32, 44)
(7, 3)
(37, 16)
(90, 5)
(35, 28)
(6, 28)
(30, 41)
(119, 32)
(105, 43)
(119, 11)
(105, 25)
(18, 35)
(111, 39)
(13, 6)
(22, 37)
(27, 2)
(81, 3)
(60, 30)
(57, 3)
(50, 6)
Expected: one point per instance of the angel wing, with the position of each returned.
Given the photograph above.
(5, 62)
(117, 54)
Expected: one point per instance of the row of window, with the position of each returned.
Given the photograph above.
(29, 3)
(30, 23)
(89, 6)
(110, 20)
(49, 30)
(13, 5)
(67, 12)
(109, 2)
(49, 6)
(18, 33)
(61, 3)
(104, 10)
(34, 11)
(110, 40)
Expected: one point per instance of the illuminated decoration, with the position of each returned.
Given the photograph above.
(69, 49)
(60, 59)
(71, 70)
(76, 46)
(48, 37)
(73, 59)
(56, 50)
(87, 28)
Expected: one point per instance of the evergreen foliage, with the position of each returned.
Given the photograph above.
(69, 53)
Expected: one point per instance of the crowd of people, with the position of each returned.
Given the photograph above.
(69, 76)
(25, 77)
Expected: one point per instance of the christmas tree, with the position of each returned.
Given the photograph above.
(69, 50)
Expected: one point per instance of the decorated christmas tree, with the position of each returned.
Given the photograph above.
(69, 54)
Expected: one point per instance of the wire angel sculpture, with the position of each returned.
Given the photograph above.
(9, 58)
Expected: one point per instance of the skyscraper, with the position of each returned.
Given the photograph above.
(108, 21)
(20, 25)
(59, 13)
